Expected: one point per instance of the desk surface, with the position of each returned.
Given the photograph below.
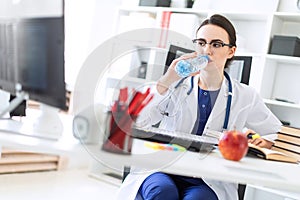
(58, 185)
(249, 170)
(66, 145)
(256, 171)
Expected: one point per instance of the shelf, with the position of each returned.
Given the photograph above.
(161, 9)
(139, 9)
(284, 59)
(115, 80)
(247, 53)
(286, 16)
(247, 16)
(202, 13)
(280, 103)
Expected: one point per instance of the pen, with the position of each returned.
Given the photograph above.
(253, 136)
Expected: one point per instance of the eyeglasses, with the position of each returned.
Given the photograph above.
(214, 43)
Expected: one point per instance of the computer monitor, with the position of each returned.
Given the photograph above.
(32, 58)
(32, 63)
(173, 53)
(239, 68)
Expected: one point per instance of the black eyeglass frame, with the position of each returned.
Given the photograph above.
(219, 41)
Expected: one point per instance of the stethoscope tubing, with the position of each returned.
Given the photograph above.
(229, 98)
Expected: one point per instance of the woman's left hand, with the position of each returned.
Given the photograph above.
(261, 142)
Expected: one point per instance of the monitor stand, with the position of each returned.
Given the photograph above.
(44, 123)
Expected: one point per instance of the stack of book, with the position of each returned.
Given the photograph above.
(288, 141)
(17, 161)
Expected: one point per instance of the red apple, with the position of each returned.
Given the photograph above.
(233, 145)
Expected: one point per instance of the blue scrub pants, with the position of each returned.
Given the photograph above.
(161, 186)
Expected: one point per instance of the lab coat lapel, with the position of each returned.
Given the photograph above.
(217, 116)
(192, 100)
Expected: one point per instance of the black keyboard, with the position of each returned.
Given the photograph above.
(189, 141)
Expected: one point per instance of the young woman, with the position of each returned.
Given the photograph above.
(216, 38)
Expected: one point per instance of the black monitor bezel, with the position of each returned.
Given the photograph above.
(54, 94)
(247, 62)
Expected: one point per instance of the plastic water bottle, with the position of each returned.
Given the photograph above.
(186, 67)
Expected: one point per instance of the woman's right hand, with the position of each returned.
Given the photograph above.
(171, 76)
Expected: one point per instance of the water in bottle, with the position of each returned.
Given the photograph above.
(186, 67)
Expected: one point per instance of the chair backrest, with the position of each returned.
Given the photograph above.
(241, 191)
(126, 171)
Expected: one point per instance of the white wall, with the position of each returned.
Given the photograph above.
(30, 8)
(88, 24)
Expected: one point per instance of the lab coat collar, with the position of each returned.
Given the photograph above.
(192, 103)
(217, 115)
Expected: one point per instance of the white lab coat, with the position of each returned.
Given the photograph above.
(247, 110)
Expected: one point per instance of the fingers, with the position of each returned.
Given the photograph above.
(183, 57)
(249, 131)
(261, 142)
(257, 141)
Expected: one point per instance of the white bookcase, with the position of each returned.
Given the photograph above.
(274, 76)
(281, 73)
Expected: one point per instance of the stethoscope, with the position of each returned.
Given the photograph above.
(229, 99)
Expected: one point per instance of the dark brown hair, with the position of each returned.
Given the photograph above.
(224, 23)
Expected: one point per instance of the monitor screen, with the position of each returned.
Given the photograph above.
(32, 58)
(238, 69)
(32, 46)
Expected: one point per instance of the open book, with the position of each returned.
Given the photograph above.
(269, 154)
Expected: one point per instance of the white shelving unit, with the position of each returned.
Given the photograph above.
(281, 73)
(274, 76)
